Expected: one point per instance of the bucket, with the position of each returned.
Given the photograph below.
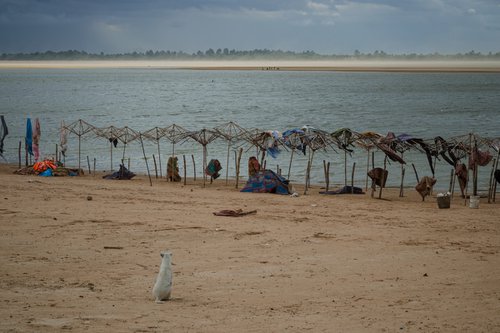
(443, 201)
(474, 201)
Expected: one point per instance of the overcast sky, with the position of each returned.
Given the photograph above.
(323, 26)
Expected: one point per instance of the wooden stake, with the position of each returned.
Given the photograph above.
(156, 168)
(194, 168)
(290, 164)
(326, 175)
(352, 177)
(184, 160)
(227, 160)
(159, 160)
(468, 169)
(401, 194)
(94, 165)
(240, 152)
(235, 161)
(367, 169)
(490, 187)
(451, 180)
(26, 153)
(474, 174)
(416, 173)
(453, 184)
(262, 158)
(382, 184)
(345, 168)
(307, 175)
(110, 154)
(19, 154)
(495, 182)
(146, 160)
(204, 164)
(401, 189)
(88, 163)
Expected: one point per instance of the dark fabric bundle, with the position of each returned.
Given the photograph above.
(123, 173)
(376, 175)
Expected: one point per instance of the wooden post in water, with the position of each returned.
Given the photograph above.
(94, 165)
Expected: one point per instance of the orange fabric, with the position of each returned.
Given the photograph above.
(44, 165)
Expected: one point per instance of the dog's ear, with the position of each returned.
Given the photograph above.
(434, 180)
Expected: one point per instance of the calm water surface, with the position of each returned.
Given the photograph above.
(421, 104)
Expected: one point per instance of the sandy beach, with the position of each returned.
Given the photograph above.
(81, 254)
(490, 66)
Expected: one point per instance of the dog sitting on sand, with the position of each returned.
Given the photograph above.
(425, 185)
(163, 286)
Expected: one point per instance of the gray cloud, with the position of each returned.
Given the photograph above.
(326, 26)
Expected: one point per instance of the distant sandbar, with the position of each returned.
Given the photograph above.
(271, 65)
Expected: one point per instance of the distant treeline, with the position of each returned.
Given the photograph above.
(226, 54)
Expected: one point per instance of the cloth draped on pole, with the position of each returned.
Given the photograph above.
(63, 137)
(36, 139)
(3, 133)
(29, 137)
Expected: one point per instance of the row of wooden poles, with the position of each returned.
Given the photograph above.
(492, 188)
(80, 128)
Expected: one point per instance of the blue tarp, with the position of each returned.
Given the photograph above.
(266, 181)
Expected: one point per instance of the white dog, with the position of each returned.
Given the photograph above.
(163, 285)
